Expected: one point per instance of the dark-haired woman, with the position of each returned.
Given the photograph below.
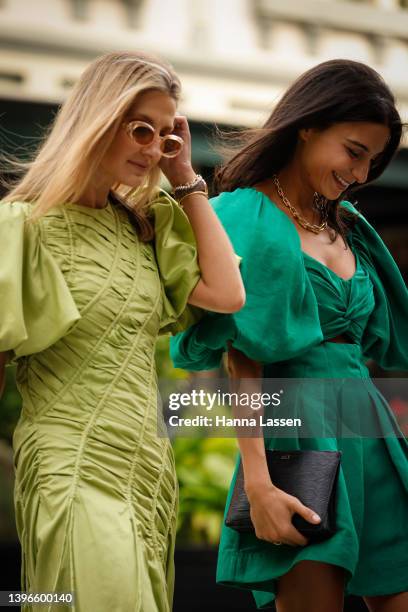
(323, 296)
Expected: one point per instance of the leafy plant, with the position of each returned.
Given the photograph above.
(204, 469)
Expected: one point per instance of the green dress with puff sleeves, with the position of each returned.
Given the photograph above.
(83, 301)
(294, 305)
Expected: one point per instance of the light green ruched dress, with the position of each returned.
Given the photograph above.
(83, 301)
(294, 305)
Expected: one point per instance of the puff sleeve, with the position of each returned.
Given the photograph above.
(37, 308)
(385, 339)
(280, 317)
(176, 256)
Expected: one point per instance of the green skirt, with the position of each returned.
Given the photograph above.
(371, 539)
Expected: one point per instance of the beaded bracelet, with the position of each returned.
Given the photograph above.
(198, 184)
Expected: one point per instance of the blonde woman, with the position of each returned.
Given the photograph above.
(98, 261)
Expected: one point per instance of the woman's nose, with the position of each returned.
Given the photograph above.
(360, 172)
(153, 148)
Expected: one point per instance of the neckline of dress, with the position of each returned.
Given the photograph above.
(304, 254)
(110, 202)
(341, 278)
(85, 208)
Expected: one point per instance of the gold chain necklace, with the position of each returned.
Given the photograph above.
(311, 227)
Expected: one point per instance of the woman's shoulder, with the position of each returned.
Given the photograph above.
(19, 210)
(14, 219)
(164, 209)
(261, 234)
(250, 206)
(241, 197)
(167, 215)
(350, 207)
(15, 209)
(362, 232)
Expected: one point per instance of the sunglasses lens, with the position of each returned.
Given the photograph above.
(171, 147)
(142, 134)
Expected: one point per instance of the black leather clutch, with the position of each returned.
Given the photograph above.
(309, 475)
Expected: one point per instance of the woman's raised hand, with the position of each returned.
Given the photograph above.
(178, 170)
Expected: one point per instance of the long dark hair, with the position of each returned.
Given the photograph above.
(332, 92)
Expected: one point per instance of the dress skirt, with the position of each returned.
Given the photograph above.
(371, 541)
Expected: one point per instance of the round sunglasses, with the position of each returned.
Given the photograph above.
(143, 134)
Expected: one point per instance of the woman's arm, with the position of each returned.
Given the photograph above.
(220, 288)
(271, 508)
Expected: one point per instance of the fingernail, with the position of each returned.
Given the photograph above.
(316, 517)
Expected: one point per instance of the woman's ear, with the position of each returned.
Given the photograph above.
(304, 134)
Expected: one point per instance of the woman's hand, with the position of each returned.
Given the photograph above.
(179, 170)
(271, 508)
(220, 288)
(271, 514)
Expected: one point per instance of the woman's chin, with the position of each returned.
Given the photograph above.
(331, 194)
(133, 182)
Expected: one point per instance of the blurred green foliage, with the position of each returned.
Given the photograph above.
(204, 469)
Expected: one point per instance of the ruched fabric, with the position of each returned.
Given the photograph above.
(344, 307)
(296, 304)
(96, 491)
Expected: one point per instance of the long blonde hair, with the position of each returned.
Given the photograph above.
(84, 129)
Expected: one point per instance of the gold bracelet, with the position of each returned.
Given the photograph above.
(205, 193)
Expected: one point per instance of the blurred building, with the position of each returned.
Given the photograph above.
(234, 57)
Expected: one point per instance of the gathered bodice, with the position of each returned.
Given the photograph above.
(344, 305)
(114, 281)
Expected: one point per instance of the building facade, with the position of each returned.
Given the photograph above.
(234, 57)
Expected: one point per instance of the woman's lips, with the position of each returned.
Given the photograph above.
(139, 166)
(341, 185)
